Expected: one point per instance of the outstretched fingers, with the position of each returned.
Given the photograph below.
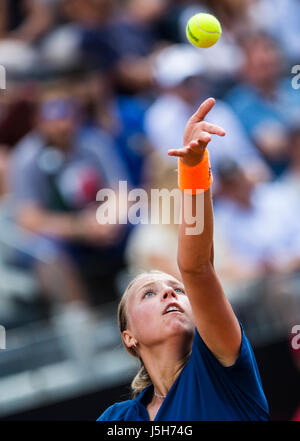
(180, 153)
(203, 110)
(213, 129)
(196, 146)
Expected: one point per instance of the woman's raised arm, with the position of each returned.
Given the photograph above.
(213, 315)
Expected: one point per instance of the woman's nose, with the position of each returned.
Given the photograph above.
(169, 293)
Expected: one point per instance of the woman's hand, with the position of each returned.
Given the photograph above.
(197, 135)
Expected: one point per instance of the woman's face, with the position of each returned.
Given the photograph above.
(149, 319)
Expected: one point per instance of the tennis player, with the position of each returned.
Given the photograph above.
(196, 362)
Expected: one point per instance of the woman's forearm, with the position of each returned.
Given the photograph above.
(195, 251)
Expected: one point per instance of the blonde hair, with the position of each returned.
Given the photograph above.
(142, 378)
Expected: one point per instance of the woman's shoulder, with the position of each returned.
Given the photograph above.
(116, 411)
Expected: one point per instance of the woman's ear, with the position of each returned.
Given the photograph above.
(129, 339)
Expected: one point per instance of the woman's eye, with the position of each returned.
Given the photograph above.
(179, 290)
(148, 294)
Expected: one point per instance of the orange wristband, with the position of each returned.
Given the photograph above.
(193, 180)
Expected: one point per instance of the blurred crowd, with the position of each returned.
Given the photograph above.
(97, 92)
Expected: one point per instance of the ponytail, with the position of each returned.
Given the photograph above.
(140, 381)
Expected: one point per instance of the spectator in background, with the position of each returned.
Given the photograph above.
(75, 34)
(136, 38)
(115, 39)
(17, 106)
(55, 174)
(120, 115)
(265, 103)
(25, 20)
(180, 74)
(260, 224)
(280, 18)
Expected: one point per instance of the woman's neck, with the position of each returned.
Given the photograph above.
(164, 364)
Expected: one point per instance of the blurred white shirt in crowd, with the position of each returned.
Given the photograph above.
(267, 232)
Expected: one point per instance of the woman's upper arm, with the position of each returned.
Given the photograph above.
(213, 314)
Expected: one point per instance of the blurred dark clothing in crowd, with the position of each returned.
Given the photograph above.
(120, 116)
(16, 122)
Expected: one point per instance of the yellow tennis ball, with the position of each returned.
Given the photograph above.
(203, 30)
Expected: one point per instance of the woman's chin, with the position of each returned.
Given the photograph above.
(181, 324)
